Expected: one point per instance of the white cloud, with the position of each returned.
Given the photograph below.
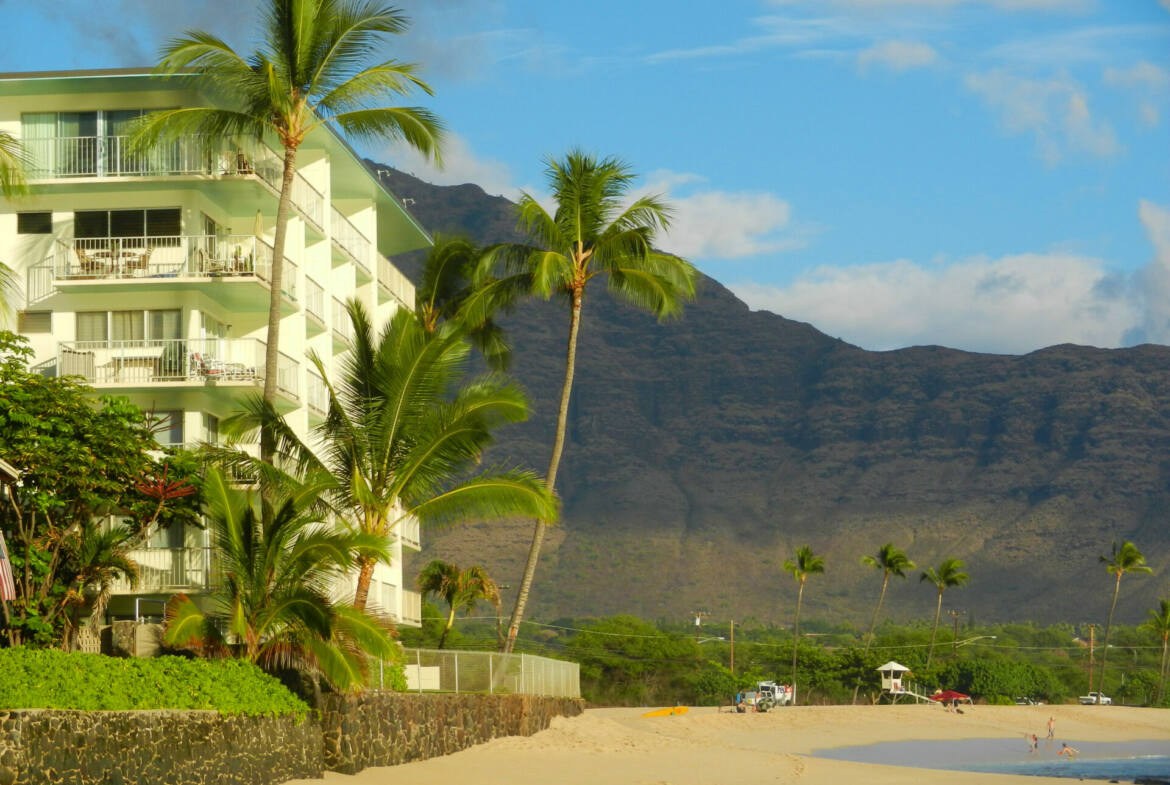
(460, 165)
(1143, 74)
(1154, 279)
(1011, 305)
(1055, 111)
(897, 55)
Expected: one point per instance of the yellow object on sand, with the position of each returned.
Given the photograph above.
(667, 712)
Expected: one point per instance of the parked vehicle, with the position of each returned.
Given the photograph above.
(1096, 698)
(1026, 701)
(769, 694)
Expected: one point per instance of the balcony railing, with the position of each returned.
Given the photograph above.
(169, 570)
(350, 240)
(316, 396)
(150, 361)
(394, 283)
(314, 300)
(411, 607)
(342, 324)
(111, 156)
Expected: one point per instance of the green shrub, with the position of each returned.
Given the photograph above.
(49, 679)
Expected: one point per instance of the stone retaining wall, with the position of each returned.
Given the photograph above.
(49, 747)
(385, 729)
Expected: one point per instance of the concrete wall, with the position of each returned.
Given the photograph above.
(48, 747)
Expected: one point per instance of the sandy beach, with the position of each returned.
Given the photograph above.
(707, 747)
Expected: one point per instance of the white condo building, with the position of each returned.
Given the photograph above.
(147, 275)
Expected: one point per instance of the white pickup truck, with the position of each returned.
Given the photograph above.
(1095, 698)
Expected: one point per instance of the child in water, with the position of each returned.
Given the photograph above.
(1067, 750)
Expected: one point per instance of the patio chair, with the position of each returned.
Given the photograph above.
(138, 264)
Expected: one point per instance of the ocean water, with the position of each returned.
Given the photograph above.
(1120, 761)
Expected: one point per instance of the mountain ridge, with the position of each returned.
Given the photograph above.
(703, 451)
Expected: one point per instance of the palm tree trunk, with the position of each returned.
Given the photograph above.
(934, 629)
(1162, 672)
(447, 629)
(553, 464)
(796, 637)
(365, 574)
(275, 282)
(1105, 643)
(872, 624)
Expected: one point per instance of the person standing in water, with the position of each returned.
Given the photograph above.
(1051, 728)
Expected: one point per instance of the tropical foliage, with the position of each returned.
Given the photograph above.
(404, 435)
(79, 463)
(314, 68)
(12, 166)
(598, 228)
(948, 575)
(102, 557)
(273, 605)
(460, 589)
(46, 679)
(889, 560)
(1123, 559)
(804, 564)
(1159, 624)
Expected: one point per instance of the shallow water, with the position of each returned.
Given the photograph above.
(1121, 761)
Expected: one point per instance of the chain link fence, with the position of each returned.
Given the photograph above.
(490, 673)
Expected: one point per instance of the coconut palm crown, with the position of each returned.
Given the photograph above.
(314, 68)
(890, 561)
(948, 575)
(458, 588)
(599, 228)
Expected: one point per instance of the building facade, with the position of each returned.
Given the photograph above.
(147, 275)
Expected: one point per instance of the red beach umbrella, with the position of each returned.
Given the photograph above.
(949, 695)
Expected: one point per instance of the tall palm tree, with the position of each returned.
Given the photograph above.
(1159, 625)
(313, 69)
(403, 434)
(805, 564)
(12, 183)
(596, 229)
(949, 574)
(275, 597)
(891, 561)
(1121, 560)
(458, 588)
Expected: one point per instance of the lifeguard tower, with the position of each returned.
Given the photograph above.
(893, 682)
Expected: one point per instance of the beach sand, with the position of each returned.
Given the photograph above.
(708, 747)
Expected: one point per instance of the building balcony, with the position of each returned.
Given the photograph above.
(216, 367)
(393, 285)
(316, 398)
(315, 323)
(350, 245)
(88, 158)
(169, 570)
(234, 270)
(342, 327)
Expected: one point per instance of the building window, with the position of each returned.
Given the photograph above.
(102, 224)
(102, 326)
(210, 428)
(167, 427)
(34, 223)
(31, 322)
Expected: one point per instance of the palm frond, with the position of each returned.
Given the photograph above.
(490, 496)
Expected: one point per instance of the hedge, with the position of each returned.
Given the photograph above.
(47, 679)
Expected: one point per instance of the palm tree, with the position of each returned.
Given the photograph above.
(1159, 624)
(458, 285)
(891, 561)
(12, 183)
(1125, 559)
(596, 230)
(403, 433)
(949, 573)
(806, 563)
(101, 560)
(274, 599)
(313, 69)
(458, 588)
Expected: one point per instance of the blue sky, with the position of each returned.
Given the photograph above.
(987, 174)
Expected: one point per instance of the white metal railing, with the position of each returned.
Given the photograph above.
(436, 670)
(310, 201)
(316, 396)
(314, 300)
(342, 324)
(148, 361)
(411, 607)
(349, 239)
(408, 532)
(394, 283)
(38, 282)
(288, 279)
(175, 256)
(169, 569)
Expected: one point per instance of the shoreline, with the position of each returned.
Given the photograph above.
(706, 746)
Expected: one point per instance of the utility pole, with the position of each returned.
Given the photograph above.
(955, 640)
(733, 647)
(1092, 641)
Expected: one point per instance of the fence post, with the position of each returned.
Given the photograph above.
(456, 673)
(491, 676)
(418, 668)
(523, 683)
(381, 674)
